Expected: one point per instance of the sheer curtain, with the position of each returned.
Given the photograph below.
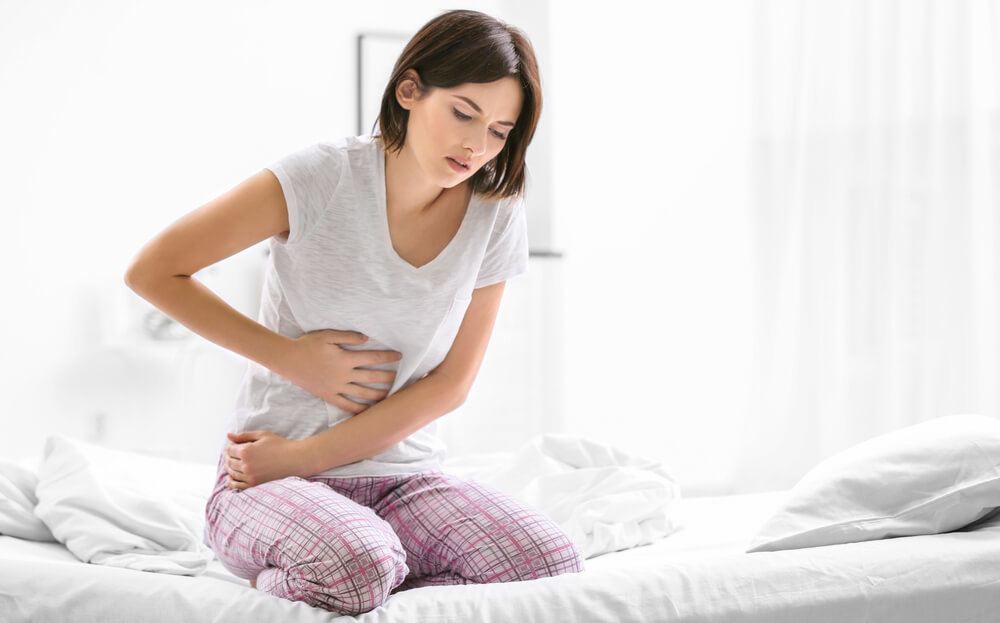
(874, 215)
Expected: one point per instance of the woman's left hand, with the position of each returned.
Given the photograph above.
(258, 456)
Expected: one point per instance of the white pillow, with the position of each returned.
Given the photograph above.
(933, 477)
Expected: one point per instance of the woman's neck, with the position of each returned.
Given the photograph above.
(408, 191)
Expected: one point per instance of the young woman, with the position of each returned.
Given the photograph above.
(388, 257)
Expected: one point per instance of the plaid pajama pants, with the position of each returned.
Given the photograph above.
(345, 544)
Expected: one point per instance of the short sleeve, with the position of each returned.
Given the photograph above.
(309, 179)
(507, 251)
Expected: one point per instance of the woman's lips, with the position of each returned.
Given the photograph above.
(455, 166)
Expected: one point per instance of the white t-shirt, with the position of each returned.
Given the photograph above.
(337, 269)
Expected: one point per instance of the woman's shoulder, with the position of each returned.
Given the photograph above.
(331, 158)
(339, 146)
(504, 209)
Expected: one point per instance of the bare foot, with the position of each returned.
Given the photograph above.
(253, 582)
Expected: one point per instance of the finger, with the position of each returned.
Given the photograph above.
(238, 477)
(356, 405)
(234, 465)
(346, 404)
(386, 355)
(367, 393)
(370, 357)
(238, 485)
(365, 375)
(357, 400)
(235, 462)
(346, 337)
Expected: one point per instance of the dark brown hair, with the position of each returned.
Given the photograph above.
(464, 46)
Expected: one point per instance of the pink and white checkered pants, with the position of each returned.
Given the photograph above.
(345, 544)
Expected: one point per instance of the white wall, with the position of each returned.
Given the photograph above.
(652, 127)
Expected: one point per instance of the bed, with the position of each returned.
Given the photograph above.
(650, 553)
(699, 573)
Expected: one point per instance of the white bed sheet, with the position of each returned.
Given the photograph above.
(700, 573)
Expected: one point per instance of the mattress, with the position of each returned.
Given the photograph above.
(700, 573)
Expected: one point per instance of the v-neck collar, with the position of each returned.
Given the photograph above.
(383, 217)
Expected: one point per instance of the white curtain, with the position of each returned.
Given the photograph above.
(874, 208)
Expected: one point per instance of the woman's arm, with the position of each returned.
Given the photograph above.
(396, 417)
(161, 272)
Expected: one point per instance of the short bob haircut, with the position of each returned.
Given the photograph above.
(458, 47)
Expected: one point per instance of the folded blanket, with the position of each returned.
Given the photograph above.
(605, 499)
(17, 503)
(124, 509)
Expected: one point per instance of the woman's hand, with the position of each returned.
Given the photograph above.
(258, 456)
(318, 364)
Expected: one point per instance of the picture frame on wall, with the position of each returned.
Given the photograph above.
(377, 54)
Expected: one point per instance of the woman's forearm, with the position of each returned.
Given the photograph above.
(363, 435)
(383, 424)
(195, 306)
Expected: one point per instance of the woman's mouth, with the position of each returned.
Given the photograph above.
(456, 166)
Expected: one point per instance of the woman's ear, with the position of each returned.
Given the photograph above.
(409, 88)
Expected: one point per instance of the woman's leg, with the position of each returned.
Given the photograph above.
(460, 531)
(301, 540)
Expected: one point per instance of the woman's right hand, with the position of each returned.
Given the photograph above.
(318, 364)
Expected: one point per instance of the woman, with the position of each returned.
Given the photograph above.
(330, 488)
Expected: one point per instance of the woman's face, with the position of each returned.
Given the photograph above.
(469, 122)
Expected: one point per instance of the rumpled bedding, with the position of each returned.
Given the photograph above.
(606, 500)
(124, 509)
(131, 510)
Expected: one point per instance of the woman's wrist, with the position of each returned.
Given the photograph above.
(278, 356)
(308, 456)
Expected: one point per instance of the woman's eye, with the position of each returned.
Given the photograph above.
(464, 117)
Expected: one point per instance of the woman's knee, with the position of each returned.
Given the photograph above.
(348, 580)
(529, 550)
(563, 555)
(306, 543)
